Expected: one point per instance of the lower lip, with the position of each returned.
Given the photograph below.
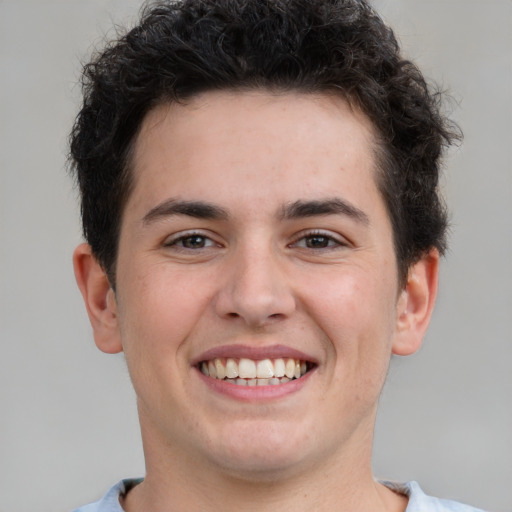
(256, 393)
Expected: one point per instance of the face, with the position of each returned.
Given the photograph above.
(257, 295)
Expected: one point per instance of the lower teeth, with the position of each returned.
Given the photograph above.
(258, 382)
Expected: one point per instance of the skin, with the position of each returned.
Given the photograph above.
(263, 277)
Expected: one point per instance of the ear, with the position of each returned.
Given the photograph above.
(415, 304)
(99, 299)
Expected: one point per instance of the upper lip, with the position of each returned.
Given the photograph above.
(240, 351)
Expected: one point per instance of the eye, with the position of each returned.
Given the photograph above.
(319, 240)
(190, 241)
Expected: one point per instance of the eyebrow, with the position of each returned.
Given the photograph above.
(197, 209)
(296, 210)
(300, 209)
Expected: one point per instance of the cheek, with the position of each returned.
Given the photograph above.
(358, 300)
(356, 312)
(160, 310)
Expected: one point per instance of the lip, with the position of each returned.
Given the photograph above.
(255, 353)
(255, 393)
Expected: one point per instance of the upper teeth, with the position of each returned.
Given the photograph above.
(222, 368)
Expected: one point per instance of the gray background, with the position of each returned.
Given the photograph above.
(68, 426)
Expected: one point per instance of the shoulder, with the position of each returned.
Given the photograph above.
(110, 502)
(420, 502)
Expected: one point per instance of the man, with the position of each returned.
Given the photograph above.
(259, 199)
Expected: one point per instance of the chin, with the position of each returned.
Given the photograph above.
(256, 457)
(261, 469)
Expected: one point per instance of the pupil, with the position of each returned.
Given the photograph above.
(317, 241)
(193, 242)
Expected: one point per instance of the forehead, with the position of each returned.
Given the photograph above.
(256, 137)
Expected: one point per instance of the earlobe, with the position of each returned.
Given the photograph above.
(416, 303)
(99, 299)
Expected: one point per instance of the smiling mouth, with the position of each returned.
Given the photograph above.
(249, 372)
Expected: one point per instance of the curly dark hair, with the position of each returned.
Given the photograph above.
(182, 48)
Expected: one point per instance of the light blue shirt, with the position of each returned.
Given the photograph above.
(418, 500)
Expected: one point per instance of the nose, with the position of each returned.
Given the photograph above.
(256, 289)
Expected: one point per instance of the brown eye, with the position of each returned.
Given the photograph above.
(190, 241)
(321, 241)
(318, 242)
(194, 242)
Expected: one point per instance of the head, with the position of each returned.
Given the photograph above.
(182, 49)
(259, 185)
